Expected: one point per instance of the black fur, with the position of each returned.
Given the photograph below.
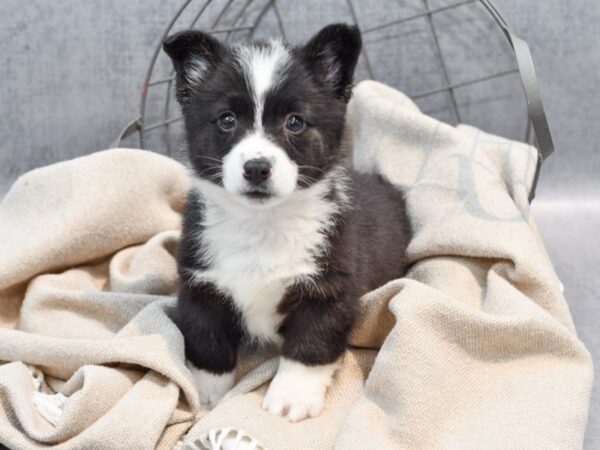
(366, 246)
(185, 50)
(208, 320)
(367, 250)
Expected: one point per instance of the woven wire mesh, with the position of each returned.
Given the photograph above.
(449, 56)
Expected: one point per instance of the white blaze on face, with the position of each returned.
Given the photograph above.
(263, 68)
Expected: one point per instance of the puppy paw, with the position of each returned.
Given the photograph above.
(211, 387)
(298, 391)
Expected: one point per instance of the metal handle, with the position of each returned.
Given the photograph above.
(537, 115)
(130, 128)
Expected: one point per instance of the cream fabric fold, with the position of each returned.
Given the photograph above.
(474, 348)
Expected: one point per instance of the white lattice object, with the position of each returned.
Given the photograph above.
(227, 438)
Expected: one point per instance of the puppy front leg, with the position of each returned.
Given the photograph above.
(210, 327)
(315, 334)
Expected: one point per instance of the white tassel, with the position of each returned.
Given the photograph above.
(38, 377)
(50, 406)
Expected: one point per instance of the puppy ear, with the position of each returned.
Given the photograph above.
(194, 54)
(332, 54)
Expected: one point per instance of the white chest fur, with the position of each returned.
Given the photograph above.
(254, 255)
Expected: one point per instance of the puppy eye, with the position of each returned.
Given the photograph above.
(294, 123)
(227, 121)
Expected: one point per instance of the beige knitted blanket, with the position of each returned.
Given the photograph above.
(475, 348)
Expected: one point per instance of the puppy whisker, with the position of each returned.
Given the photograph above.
(312, 168)
(210, 158)
(209, 170)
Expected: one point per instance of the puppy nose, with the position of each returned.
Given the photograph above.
(257, 170)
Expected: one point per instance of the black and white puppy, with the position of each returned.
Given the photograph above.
(279, 238)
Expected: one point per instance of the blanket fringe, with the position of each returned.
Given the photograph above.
(50, 406)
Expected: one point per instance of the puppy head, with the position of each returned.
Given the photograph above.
(264, 120)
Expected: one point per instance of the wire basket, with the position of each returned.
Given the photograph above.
(458, 60)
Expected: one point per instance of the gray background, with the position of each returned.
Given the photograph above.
(71, 73)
